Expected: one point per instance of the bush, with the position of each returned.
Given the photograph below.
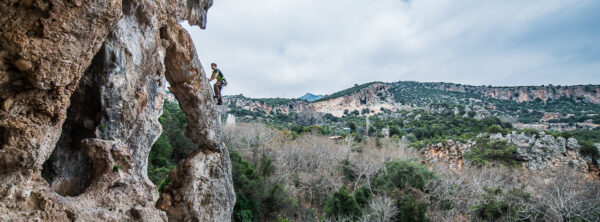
(246, 182)
(362, 196)
(495, 205)
(499, 151)
(493, 129)
(401, 173)
(163, 184)
(588, 149)
(342, 204)
(348, 173)
(159, 174)
(411, 210)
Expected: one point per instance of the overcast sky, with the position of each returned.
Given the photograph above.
(285, 48)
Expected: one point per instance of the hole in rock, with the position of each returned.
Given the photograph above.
(68, 170)
(172, 146)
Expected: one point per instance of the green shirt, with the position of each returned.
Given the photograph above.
(219, 74)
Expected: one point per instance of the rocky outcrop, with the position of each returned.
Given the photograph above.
(450, 153)
(547, 151)
(284, 106)
(583, 93)
(201, 187)
(535, 153)
(373, 97)
(82, 86)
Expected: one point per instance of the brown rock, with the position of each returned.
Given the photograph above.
(8, 102)
(23, 65)
(104, 60)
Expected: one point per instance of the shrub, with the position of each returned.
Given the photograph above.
(158, 175)
(165, 182)
(352, 126)
(411, 210)
(116, 168)
(400, 173)
(245, 181)
(493, 129)
(495, 205)
(342, 204)
(485, 150)
(348, 172)
(395, 131)
(588, 149)
(362, 196)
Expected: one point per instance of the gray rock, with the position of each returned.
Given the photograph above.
(496, 136)
(385, 132)
(572, 144)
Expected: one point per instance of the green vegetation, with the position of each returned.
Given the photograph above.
(497, 151)
(341, 204)
(497, 205)
(116, 168)
(172, 145)
(586, 138)
(400, 174)
(258, 197)
(406, 182)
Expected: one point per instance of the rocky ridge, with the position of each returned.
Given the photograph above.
(82, 86)
(374, 97)
(583, 93)
(534, 152)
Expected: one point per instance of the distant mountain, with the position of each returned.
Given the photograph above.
(311, 97)
(524, 104)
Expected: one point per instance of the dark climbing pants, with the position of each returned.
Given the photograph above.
(217, 87)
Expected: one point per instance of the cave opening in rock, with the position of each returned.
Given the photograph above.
(172, 146)
(67, 171)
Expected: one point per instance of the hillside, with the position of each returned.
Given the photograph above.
(415, 151)
(553, 106)
(430, 113)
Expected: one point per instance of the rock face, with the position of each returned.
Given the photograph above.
(82, 86)
(535, 153)
(285, 107)
(547, 151)
(201, 187)
(374, 97)
(583, 93)
(450, 153)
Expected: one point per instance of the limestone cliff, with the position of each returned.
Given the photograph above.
(534, 153)
(582, 93)
(373, 97)
(82, 86)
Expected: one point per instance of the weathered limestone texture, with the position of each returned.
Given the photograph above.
(205, 172)
(82, 85)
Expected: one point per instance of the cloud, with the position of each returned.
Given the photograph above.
(274, 48)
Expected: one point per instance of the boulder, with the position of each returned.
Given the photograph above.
(572, 144)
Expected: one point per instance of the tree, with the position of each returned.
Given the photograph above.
(342, 204)
(352, 126)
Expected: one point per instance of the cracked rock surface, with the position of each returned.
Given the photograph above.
(82, 85)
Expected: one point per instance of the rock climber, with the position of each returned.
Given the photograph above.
(221, 82)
